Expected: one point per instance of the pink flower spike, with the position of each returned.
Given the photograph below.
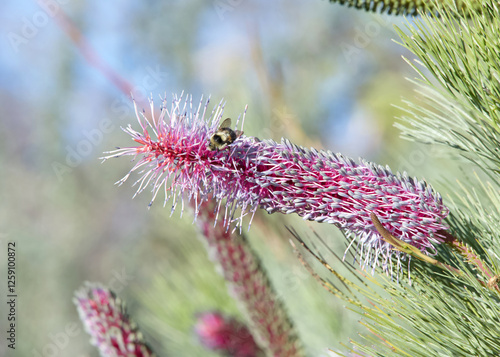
(247, 174)
(219, 333)
(106, 321)
(248, 283)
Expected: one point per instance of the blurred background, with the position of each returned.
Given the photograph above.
(319, 74)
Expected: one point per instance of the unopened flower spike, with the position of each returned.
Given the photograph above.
(106, 320)
(225, 334)
(247, 281)
(174, 156)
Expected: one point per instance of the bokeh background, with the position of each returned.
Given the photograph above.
(320, 74)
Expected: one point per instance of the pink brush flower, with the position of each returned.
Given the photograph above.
(175, 157)
(107, 322)
(219, 333)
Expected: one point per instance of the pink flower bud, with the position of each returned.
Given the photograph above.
(220, 333)
(248, 283)
(105, 319)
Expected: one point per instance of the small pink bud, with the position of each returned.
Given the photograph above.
(106, 321)
(219, 333)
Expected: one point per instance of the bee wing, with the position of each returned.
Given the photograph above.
(226, 123)
(238, 133)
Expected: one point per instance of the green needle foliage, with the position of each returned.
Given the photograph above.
(435, 312)
(461, 96)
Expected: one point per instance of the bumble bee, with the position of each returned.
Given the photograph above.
(223, 136)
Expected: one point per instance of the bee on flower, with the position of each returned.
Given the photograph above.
(224, 136)
(190, 154)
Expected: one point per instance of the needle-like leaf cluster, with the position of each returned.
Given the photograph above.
(436, 312)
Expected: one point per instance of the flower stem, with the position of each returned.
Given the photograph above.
(472, 258)
(460, 248)
(408, 248)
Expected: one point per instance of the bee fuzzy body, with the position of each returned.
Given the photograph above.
(224, 136)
